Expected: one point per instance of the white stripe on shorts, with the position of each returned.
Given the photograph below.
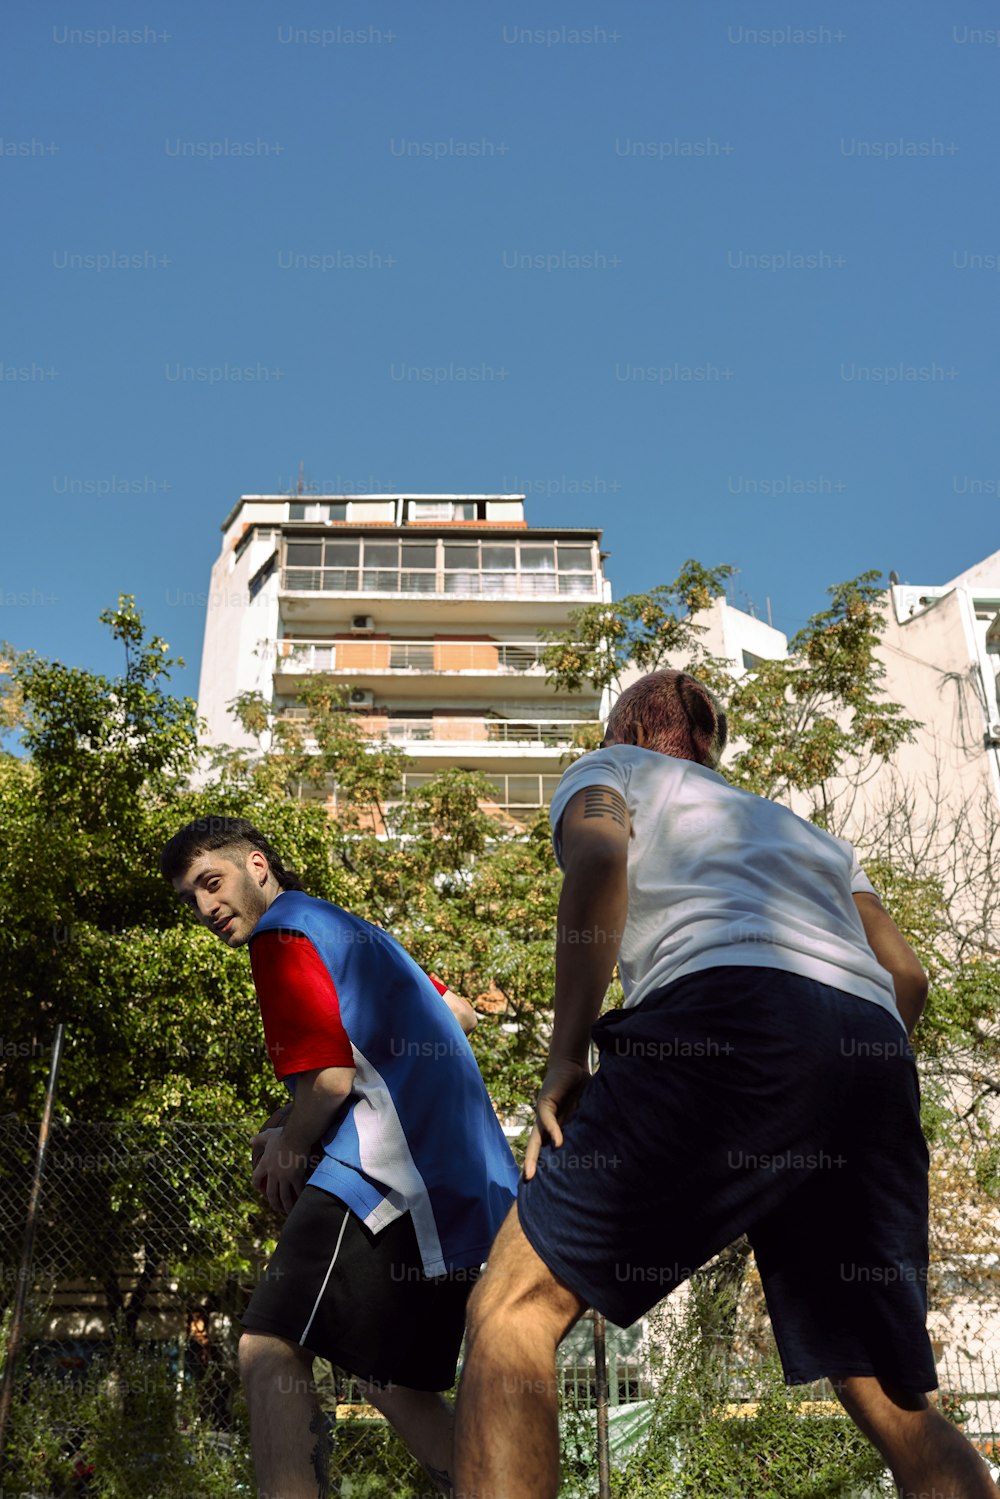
(319, 1298)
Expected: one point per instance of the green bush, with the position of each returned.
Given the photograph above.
(132, 1425)
(722, 1430)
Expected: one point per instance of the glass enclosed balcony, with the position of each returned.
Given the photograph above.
(465, 569)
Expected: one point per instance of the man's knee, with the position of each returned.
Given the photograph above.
(871, 1395)
(518, 1286)
(264, 1357)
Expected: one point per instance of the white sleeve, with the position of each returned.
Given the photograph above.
(860, 883)
(598, 768)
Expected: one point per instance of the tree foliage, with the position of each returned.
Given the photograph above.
(795, 722)
(643, 630)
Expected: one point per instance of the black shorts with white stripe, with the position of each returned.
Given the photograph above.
(360, 1299)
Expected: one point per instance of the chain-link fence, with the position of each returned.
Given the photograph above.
(149, 1241)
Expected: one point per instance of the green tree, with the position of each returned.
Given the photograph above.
(643, 630)
(163, 1032)
(796, 723)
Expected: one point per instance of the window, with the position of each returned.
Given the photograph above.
(261, 576)
(340, 563)
(536, 559)
(381, 567)
(419, 560)
(313, 510)
(576, 569)
(443, 510)
(428, 510)
(575, 559)
(499, 558)
(419, 553)
(340, 554)
(523, 791)
(465, 557)
(304, 554)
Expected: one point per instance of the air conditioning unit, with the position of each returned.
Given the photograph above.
(993, 735)
(362, 624)
(360, 698)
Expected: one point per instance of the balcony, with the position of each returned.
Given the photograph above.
(517, 795)
(445, 735)
(464, 585)
(473, 732)
(303, 657)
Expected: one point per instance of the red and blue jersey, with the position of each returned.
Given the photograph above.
(418, 1132)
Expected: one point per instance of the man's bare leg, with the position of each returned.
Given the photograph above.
(425, 1422)
(927, 1455)
(507, 1417)
(288, 1430)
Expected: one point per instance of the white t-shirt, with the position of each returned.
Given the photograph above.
(718, 877)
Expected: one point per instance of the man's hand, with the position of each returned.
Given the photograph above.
(279, 1173)
(276, 1121)
(557, 1102)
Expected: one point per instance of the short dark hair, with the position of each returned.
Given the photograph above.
(205, 835)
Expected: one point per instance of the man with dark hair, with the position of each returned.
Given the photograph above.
(385, 1235)
(758, 1080)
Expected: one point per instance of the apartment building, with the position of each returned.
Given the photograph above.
(430, 608)
(941, 650)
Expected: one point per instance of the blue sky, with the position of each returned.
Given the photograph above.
(721, 279)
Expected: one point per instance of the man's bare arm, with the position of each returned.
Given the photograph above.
(895, 954)
(318, 1095)
(281, 1155)
(593, 907)
(594, 836)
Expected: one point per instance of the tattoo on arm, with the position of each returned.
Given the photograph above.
(601, 801)
(320, 1455)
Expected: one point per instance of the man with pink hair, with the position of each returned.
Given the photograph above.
(757, 1080)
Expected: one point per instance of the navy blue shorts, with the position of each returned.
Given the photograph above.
(750, 1100)
(360, 1299)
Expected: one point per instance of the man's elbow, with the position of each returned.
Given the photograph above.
(912, 987)
(333, 1083)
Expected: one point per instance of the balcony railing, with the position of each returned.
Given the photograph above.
(549, 733)
(408, 655)
(442, 729)
(487, 585)
(512, 793)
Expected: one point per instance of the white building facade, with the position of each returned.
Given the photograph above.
(430, 608)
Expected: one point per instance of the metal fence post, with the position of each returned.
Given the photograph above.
(27, 1247)
(601, 1392)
